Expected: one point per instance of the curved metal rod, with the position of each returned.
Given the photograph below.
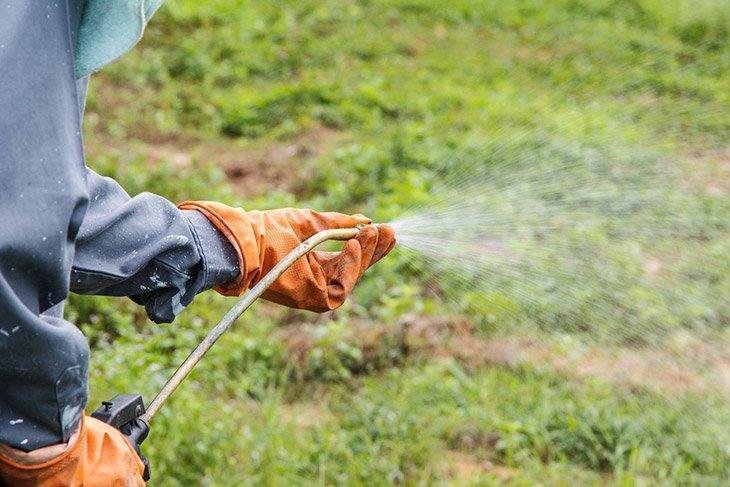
(242, 305)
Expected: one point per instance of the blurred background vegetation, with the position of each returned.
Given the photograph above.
(357, 106)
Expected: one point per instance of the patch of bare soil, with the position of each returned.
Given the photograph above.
(698, 367)
(251, 170)
(708, 172)
(458, 465)
(309, 414)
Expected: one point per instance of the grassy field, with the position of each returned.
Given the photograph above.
(359, 106)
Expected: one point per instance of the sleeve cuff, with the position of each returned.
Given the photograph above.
(220, 259)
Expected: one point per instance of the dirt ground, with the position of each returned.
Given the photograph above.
(251, 169)
(697, 368)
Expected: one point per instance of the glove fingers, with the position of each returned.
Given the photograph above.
(342, 271)
(324, 257)
(386, 242)
(305, 223)
(368, 239)
(375, 242)
(347, 221)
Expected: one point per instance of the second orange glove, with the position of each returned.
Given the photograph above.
(320, 281)
(100, 455)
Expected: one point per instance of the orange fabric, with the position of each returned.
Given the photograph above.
(101, 455)
(320, 281)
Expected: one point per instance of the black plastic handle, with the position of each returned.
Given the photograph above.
(123, 412)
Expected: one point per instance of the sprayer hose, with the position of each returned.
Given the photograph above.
(242, 305)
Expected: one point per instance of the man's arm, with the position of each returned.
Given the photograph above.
(147, 249)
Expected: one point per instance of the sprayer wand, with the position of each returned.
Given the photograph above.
(126, 412)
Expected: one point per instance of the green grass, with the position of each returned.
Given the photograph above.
(381, 97)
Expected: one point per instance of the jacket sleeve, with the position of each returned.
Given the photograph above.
(147, 249)
(43, 198)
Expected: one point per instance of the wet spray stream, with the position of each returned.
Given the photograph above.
(618, 249)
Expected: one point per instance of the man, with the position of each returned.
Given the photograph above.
(64, 228)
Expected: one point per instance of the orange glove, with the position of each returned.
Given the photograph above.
(99, 455)
(320, 281)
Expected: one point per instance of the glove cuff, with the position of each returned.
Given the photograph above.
(235, 225)
(17, 472)
(101, 455)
